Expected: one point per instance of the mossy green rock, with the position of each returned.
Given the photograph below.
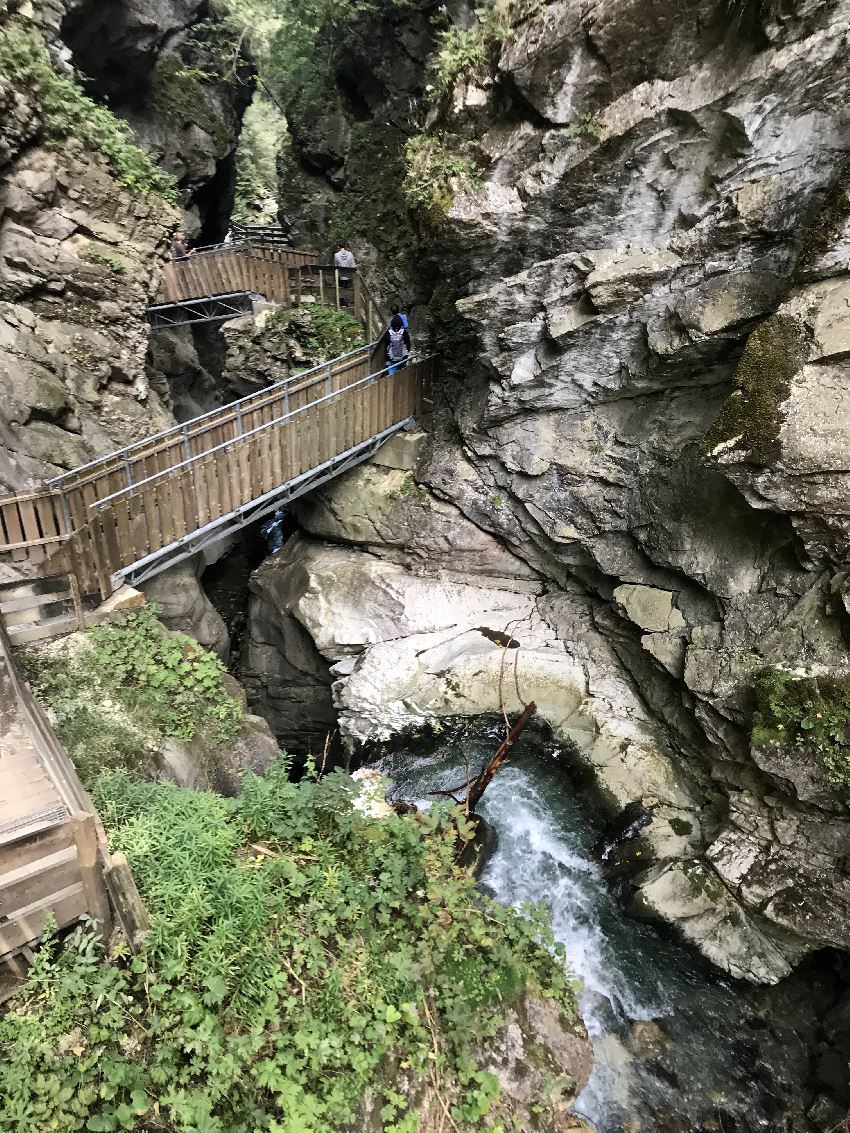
(750, 421)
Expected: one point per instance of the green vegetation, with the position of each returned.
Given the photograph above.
(67, 112)
(323, 331)
(300, 954)
(105, 259)
(407, 488)
(588, 126)
(264, 134)
(136, 685)
(809, 713)
(470, 54)
(828, 214)
(435, 174)
(751, 418)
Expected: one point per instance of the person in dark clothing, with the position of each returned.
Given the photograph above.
(396, 310)
(180, 247)
(398, 344)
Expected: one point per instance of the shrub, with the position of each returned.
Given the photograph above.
(67, 112)
(324, 331)
(810, 713)
(114, 263)
(115, 703)
(435, 173)
(168, 677)
(299, 953)
(470, 53)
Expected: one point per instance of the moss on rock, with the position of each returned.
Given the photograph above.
(828, 215)
(181, 96)
(751, 419)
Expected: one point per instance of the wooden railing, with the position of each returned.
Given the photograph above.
(261, 233)
(299, 428)
(54, 860)
(132, 503)
(231, 268)
(288, 276)
(33, 609)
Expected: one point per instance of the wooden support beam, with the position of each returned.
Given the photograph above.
(91, 872)
(126, 901)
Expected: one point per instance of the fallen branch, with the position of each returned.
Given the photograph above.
(483, 780)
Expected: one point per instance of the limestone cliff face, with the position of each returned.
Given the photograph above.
(80, 247)
(644, 404)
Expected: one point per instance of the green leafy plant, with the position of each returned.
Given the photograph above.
(322, 330)
(808, 713)
(470, 53)
(167, 676)
(587, 126)
(435, 174)
(115, 703)
(114, 263)
(67, 112)
(299, 953)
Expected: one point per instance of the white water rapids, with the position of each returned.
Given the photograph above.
(677, 1049)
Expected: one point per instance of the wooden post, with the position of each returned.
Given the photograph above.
(126, 901)
(74, 584)
(97, 902)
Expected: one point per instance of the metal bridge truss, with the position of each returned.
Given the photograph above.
(249, 513)
(212, 308)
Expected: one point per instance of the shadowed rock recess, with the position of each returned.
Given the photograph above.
(638, 460)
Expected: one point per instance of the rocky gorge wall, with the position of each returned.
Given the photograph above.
(84, 222)
(637, 461)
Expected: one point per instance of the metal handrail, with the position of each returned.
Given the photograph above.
(179, 430)
(225, 445)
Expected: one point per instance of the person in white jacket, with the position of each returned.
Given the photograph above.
(343, 257)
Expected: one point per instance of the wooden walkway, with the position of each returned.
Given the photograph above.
(54, 861)
(134, 512)
(214, 284)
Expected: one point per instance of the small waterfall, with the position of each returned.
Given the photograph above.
(676, 1047)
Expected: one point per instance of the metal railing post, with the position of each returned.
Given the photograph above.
(66, 514)
(186, 452)
(330, 379)
(128, 470)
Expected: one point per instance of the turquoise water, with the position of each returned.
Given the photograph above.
(677, 1048)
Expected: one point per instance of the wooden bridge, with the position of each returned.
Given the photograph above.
(131, 513)
(222, 282)
(136, 511)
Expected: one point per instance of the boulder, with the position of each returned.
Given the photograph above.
(185, 607)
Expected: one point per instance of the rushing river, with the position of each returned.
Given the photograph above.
(676, 1047)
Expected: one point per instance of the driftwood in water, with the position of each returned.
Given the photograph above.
(483, 780)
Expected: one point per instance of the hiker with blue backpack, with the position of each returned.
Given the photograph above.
(398, 344)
